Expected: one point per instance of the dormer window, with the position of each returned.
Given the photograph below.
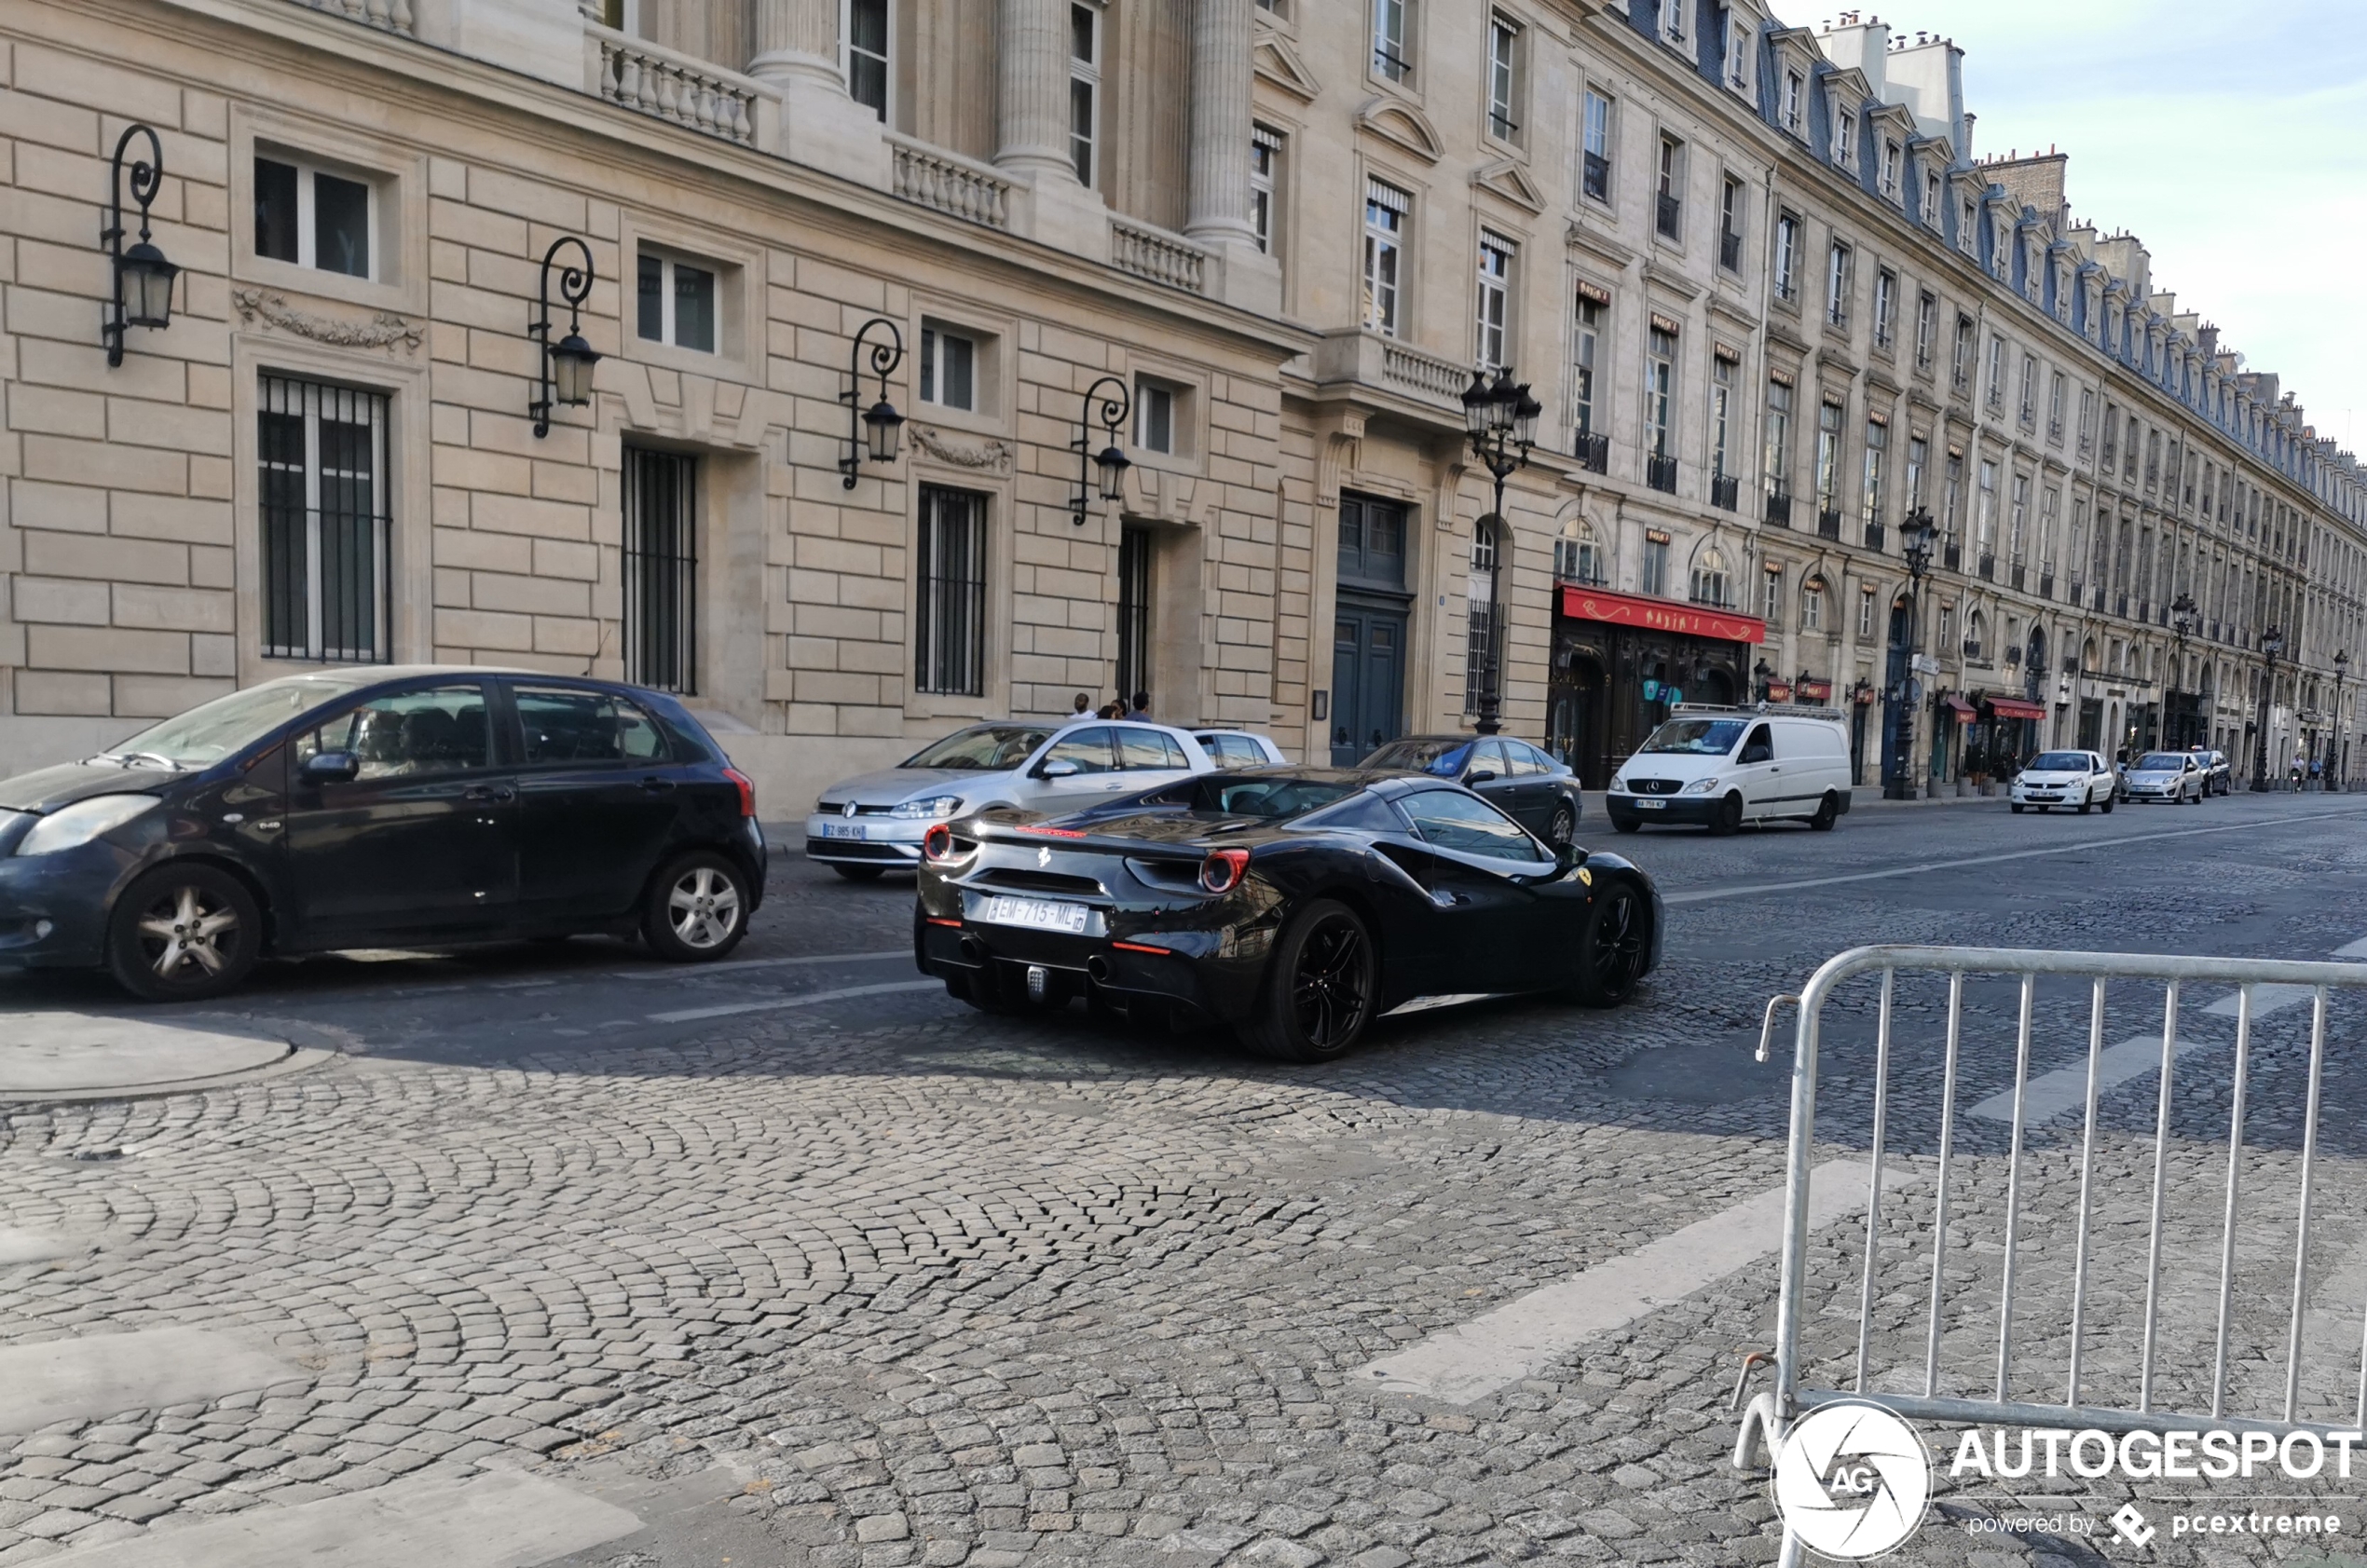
(1742, 47)
(1968, 235)
(1888, 179)
(1931, 198)
(1845, 136)
(1793, 87)
(1673, 23)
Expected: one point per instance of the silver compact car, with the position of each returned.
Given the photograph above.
(2080, 781)
(2171, 777)
(875, 822)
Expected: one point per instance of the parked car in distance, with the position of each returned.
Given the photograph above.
(2171, 777)
(1539, 793)
(1719, 768)
(875, 822)
(414, 807)
(1239, 748)
(1293, 905)
(2218, 777)
(2082, 780)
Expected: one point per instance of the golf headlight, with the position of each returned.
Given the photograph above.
(1702, 786)
(70, 828)
(935, 806)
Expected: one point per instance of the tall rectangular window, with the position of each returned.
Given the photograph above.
(1503, 78)
(1391, 57)
(677, 302)
(323, 508)
(1085, 87)
(2018, 521)
(1996, 372)
(1931, 198)
(2057, 392)
(949, 368)
(1926, 328)
(1722, 417)
(1888, 179)
(1134, 609)
(1266, 162)
(1742, 43)
(1985, 518)
(1788, 109)
(1845, 138)
(1877, 460)
(1730, 223)
(1495, 298)
(1770, 600)
(1951, 501)
(1919, 456)
(1786, 257)
(1586, 334)
(1660, 400)
(1960, 367)
(1655, 572)
(2050, 507)
(311, 217)
(1885, 307)
(949, 644)
(1385, 211)
(661, 569)
(1828, 459)
(1595, 179)
(1154, 414)
(1837, 280)
(2030, 391)
(1669, 199)
(865, 31)
(1776, 459)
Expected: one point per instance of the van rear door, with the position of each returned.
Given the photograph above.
(1814, 756)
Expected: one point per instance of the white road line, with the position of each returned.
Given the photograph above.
(1706, 895)
(106, 1374)
(692, 1014)
(493, 1520)
(1530, 1332)
(732, 966)
(2050, 1094)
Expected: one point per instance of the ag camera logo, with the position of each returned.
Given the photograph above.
(1851, 1480)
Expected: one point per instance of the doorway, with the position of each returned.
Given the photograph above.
(1369, 632)
(1574, 716)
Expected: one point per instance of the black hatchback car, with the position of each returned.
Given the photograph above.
(425, 806)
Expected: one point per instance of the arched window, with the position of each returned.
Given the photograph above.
(1975, 635)
(1709, 577)
(2087, 656)
(1484, 647)
(1577, 555)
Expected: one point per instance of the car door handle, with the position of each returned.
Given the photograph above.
(491, 792)
(657, 787)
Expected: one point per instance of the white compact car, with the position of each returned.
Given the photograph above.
(875, 822)
(2081, 780)
(1719, 768)
(2171, 777)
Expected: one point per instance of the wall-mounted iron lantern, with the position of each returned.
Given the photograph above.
(143, 277)
(1112, 462)
(871, 433)
(566, 364)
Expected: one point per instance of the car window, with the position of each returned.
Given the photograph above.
(1444, 756)
(442, 730)
(1528, 762)
(1274, 800)
(1466, 824)
(1694, 737)
(565, 725)
(981, 749)
(1365, 815)
(1488, 757)
(211, 731)
(1232, 751)
(1760, 746)
(1089, 749)
(1138, 747)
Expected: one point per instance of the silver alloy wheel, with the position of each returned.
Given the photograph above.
(196, 932)
(704, 907)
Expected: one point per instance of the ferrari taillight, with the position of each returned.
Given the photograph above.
(1222, 870)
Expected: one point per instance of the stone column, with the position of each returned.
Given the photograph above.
(1222, 33)
(798, 39)
(1031, 88)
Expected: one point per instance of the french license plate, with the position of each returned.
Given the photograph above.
(1036, 914)
(841, 830)
(1650, 805)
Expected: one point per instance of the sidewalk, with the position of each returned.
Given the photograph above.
(1865, 798)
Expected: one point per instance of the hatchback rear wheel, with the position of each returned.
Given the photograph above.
(183, 934)
(696, 909)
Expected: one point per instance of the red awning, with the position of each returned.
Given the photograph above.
(1962, 709)
(2014, 707)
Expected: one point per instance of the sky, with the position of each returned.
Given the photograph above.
(2230, 139)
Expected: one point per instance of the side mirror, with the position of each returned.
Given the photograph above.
(1478, 777)
(1061, 769)
(1568, 858)
(330, 766)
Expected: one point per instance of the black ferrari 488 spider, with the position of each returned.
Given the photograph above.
(1293, 905)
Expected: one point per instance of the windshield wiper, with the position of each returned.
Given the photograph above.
(128, 759)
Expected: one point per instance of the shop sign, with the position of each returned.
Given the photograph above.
(1816, 692)
(1779, 691)
(1659, 615)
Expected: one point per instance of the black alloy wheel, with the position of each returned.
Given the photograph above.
(858, 873)
(1728, 817)
(1322, 987)
(1828, 812)
(696, 909)
(1564, 827)
(183, 934)
(1612, 947)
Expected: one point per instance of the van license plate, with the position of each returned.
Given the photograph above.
(840, 830)
(1036, 914)
(1650, 805)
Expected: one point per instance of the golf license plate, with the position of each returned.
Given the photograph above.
(1036, 914)
(841, 829)
(1650, 805)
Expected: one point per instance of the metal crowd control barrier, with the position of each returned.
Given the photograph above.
(1771, 1412)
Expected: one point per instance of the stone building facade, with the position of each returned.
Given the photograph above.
(1766, 296)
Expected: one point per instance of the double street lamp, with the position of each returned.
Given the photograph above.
(1500, 417)
(2182, 611)
(1916, 535)
(2272, 643)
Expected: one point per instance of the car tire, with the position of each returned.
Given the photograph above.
(1828, 812)
(2110, 800)
(1320, 989)
(696, 909)
(184, 932)
(858, 873)
(2017, 808)
(2086, 803)
(1728, 818)
(1564, 826)
(1624, 824)
(1612, 946)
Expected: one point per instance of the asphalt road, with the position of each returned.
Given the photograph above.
(793, 1260)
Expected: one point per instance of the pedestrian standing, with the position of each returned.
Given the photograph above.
(1084, 704)
(1141, 707)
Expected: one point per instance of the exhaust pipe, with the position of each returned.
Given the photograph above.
(1099, 968)
(973, 950)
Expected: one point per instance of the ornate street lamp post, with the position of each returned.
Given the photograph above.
(2182, 611)
(1502, 419)
(1915, 538)
(2272, 643)
(2334, 757)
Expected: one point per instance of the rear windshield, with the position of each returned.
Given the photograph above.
(1443, 756)
(2162, 762)
(981, 749)
(1696, 737)
(2059, 762)
(1272, 799)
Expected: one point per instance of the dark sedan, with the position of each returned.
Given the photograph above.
(1295, 905)
(416, 807)
(1541, 794)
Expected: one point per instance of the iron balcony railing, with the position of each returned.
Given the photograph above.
(1988, 568)
(1671, 213)
(1725, 491)
(1779, 510)
(1729, 250)
(1598, 177)
(1828, 523)
(1874, 536)
(1661, 473)
(1593, 452)
(1951, 555)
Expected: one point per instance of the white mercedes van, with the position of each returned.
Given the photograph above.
(1719, 768)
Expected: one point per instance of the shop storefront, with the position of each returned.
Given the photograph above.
(2010, 727)
(1621, 662)
(1951, 719)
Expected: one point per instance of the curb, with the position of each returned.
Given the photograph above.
(300, 1058)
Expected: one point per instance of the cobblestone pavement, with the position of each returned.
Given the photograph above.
(869, 1279)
